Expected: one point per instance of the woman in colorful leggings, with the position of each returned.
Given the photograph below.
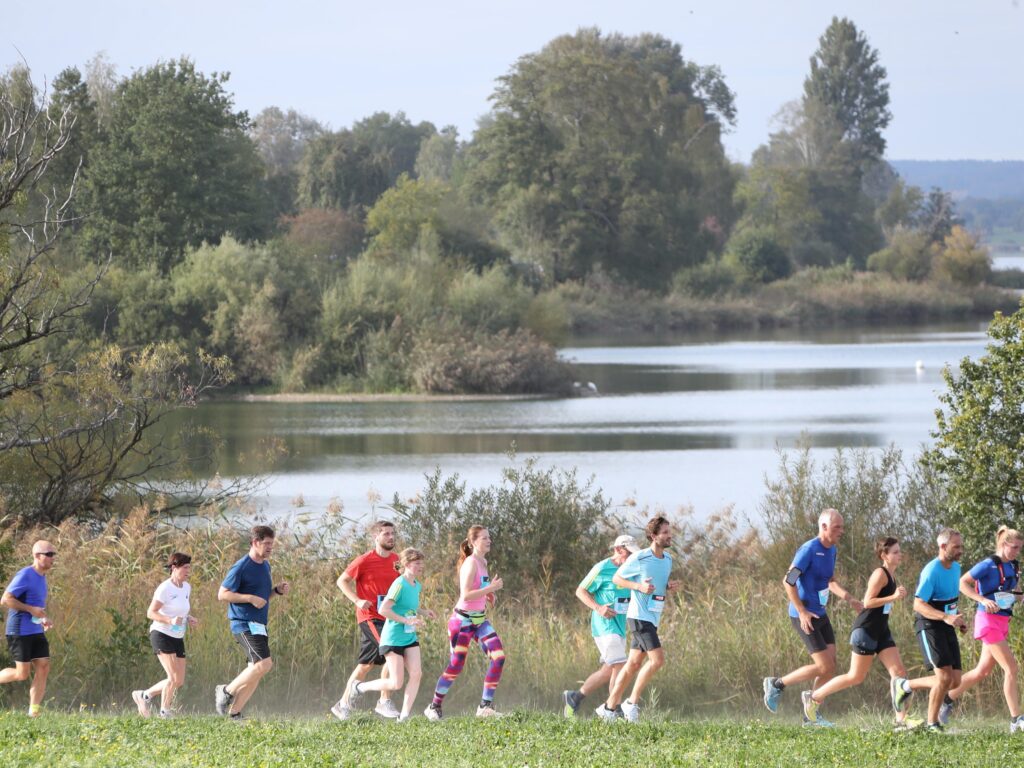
(469, 622)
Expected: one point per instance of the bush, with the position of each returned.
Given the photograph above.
(513, 363)
(713, 278)
(490, 301)
(1007, 278)
(962, 259)
(907, 257)
(758, 256)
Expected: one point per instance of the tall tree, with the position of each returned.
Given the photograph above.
(604, 151)
(848, 84)
(176, 169)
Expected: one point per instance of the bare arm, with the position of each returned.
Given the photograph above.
(967, 590)
(153, 614)
(843, 594)
(637, 586)
(347, 585)
(588, 600)
(467, 575)
(10, 601)
(875, 584)
(934, 614)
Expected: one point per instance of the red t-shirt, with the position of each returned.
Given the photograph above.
(374, 575)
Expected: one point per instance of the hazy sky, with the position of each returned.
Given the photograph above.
(956, 68)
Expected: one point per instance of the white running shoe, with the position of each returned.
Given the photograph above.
(222, 700)
(386, 709)
(631, 711)
(608, 715)
(404, 718)
(488, 711)
(432, 713)
(1017, 726)
(340, 711)
(139, 697)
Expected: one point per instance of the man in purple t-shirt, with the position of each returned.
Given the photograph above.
(25, 599)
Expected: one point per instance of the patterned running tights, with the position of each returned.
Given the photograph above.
(462, 632)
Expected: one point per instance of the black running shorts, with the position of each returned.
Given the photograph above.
(256, 647)
(28, 647)
(821, 635)
(369, 645)
(644, 635)
(940, 646)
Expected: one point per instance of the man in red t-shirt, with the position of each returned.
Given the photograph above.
(365, 582)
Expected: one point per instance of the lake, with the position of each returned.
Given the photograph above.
(678, 421)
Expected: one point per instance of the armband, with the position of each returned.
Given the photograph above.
(792, 576)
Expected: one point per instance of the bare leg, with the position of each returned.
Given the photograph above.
(890, 657)
(655, 661)
(629, 670)
(1004, 656)
(597, 680)
(986, 663)
(392, 681)
(821, 671)
(414, 669)
(244, 686)
(859, 667)
(20, 671)
(40, 671)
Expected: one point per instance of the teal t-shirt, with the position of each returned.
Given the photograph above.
(599, 584)
(406, 598)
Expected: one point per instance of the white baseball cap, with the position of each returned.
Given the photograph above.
(627, 541)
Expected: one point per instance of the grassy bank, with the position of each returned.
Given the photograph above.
(517, 740)
(811, 298)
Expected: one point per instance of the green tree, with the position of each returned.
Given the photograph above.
(907, 257)
(962, 259)
(605, 151)
(757, 256)
(848, 84)
(979, 436)
(353, 167)
(281, 138)
(177, 169)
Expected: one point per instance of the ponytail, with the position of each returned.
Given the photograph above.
(466, 547)
(1006, 532)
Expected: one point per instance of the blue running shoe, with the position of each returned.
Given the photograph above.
(771, 694)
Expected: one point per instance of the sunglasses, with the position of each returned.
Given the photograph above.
(47, 554)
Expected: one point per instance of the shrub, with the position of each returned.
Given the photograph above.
(962, 259)
(758, 256)
(907, 257)
(714, 277)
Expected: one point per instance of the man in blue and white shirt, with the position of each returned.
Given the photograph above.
(27, 622)
(808, 584)
(646, 575)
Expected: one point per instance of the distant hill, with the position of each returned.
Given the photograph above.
(988, 179)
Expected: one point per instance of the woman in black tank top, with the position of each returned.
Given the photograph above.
(871, 635)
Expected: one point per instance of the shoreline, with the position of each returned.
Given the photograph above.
(365, 397)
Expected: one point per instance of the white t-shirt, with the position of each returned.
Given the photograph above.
(175, 603)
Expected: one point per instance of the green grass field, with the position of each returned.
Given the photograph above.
(519, 739)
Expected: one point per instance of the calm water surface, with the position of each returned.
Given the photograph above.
(678, 422)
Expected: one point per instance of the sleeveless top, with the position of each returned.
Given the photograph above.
(482, 579)
(875, 621)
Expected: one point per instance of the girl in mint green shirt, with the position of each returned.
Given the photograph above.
(398, 643)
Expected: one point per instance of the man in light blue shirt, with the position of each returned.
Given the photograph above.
(646, 575)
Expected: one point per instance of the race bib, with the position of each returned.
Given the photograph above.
(176, 631)
(621, 605)
(657, 604)
(255, 628)
(823, 597)
(484, 581)
(380, 601)
(887, 608)
(1004, 599)
(951, 609)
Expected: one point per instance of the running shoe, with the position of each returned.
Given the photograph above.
(631, 711)
(139, 697)
(821, 722)
(608, 715)
(222, 699)
(352, 698)
(237, 717)
(167, 714)
(909, 723)
(946, 711)
(432, 712)
(898, 693)
(771, 694)
(340, 711)
(386, 709)
(934, 728)
(1017, 725)
(572, 700)
(403, 718)
(810, 706)
(487, 711)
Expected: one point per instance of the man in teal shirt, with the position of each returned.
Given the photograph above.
(608, 604)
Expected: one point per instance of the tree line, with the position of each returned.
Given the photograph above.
(158, 242)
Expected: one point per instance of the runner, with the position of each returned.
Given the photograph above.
(810, 580)
(365, 583)
(469, 622)
(248, 589)
(871, 634)
(936, 620)
(169, 612)
(398, 642)
(991, 584)
(25, 601)
(646, 575)
(608, 604)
